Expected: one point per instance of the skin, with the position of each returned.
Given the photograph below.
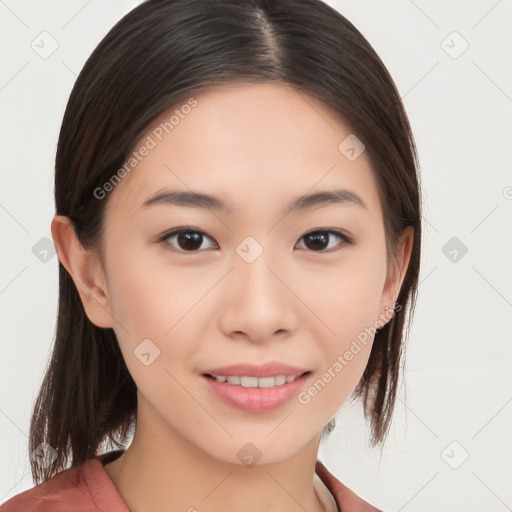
(258, 147)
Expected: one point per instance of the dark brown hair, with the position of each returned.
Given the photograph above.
(160, 52)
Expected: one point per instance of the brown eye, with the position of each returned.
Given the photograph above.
(187, 240)
(192, 240)
(318, 241)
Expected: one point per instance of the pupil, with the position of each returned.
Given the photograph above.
(189, 241)
(318, 240)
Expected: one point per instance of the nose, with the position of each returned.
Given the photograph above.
(259, 304)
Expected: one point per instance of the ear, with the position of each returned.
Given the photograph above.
(85, 269)
(396, 274)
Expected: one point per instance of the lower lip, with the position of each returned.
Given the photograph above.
(256, 399)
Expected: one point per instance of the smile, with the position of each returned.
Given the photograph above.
(256, 394)
(254, 382)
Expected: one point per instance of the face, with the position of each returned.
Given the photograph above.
(255, 281)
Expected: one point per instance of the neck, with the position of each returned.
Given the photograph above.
(158, 473)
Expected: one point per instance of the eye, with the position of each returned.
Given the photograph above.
(192, 240)
(317, 240)
(187, 239)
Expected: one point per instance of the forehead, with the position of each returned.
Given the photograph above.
(251, 144)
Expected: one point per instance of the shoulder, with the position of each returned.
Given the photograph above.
(65, 492)
(346, 499)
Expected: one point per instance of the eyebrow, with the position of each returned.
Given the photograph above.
(200, 200)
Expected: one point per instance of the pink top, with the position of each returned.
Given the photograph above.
(88, 488)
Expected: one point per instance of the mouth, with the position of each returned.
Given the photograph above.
(248, 381)
(256, 394)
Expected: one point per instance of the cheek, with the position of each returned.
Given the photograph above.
(152, 300)
(349, 311)
(346, 297)
(147, 297)
(137, 300)
(150, 309)
(347, 302)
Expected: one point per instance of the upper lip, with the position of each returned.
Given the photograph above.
(270, 369)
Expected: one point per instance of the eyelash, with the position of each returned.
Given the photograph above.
(345, 239)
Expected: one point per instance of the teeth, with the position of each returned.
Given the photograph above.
(279, 380)
(255, 382)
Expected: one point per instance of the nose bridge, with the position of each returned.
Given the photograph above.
(259, 281)
(260, 287)
(258, 304)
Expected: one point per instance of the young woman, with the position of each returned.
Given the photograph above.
(238, 230)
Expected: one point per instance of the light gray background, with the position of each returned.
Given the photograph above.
(458, 400)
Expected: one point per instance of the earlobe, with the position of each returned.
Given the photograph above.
(397, 274)
(85, 269)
